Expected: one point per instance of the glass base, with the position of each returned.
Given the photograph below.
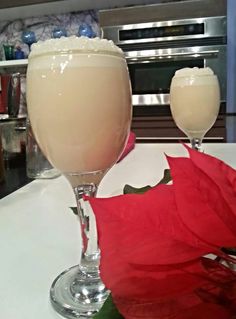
(196, 144)
(75, 294)
(43, 174)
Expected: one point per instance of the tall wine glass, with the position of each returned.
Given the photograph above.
(79, 103)
(195, 102)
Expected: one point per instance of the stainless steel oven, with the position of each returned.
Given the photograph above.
(157, 40)
(155, 50)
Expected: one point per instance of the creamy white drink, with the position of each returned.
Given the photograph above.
(194, 100)
(79, 102)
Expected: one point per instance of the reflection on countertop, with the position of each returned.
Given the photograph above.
(12, 154)
(14, 176)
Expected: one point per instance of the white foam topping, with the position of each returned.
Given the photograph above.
(81, 44)
(193, 72)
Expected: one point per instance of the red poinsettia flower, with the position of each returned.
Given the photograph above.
(153, 245)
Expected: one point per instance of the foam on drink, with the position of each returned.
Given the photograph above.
(193, 72)
(72, 44)
(195, 100)
(79, 102)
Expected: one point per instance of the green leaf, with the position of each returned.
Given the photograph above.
(133, 190)
(166, 177)
(108, 310)
(74, 210)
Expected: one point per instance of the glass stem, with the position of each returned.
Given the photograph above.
(90, 255)
(196, 144)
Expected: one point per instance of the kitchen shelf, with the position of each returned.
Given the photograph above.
(13, 63)
(12, 66)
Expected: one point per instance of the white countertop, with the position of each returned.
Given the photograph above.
(39, 235)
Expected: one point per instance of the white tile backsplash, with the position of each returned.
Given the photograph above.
(11, 31)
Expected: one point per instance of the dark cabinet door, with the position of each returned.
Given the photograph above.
(18, 3)
(157, 129)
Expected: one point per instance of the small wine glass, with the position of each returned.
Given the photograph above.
(195, 102)
(28, 37)
(79, 104)
(59, 32)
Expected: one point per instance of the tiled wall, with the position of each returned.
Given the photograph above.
(43, 26)
(11, 31)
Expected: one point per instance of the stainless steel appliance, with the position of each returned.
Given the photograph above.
(155, 50)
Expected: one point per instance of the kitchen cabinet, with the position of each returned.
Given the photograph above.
(17, 3)
(20, 9)
(8, 68)
(162, 129)
(81, 3)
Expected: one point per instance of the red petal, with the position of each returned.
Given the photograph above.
(220, 172)
(129, 146)
(204, 311)
(201, 311)
(151, 246)
(148, 230)
(200, 204)
(131, 231)
(224, 176)
(213, 291)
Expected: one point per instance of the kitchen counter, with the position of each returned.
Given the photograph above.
(39, 235)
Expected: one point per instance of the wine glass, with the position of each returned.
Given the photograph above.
(28, 37)
(79, 104)
(195, 102)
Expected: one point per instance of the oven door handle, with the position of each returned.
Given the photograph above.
(171, 56)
